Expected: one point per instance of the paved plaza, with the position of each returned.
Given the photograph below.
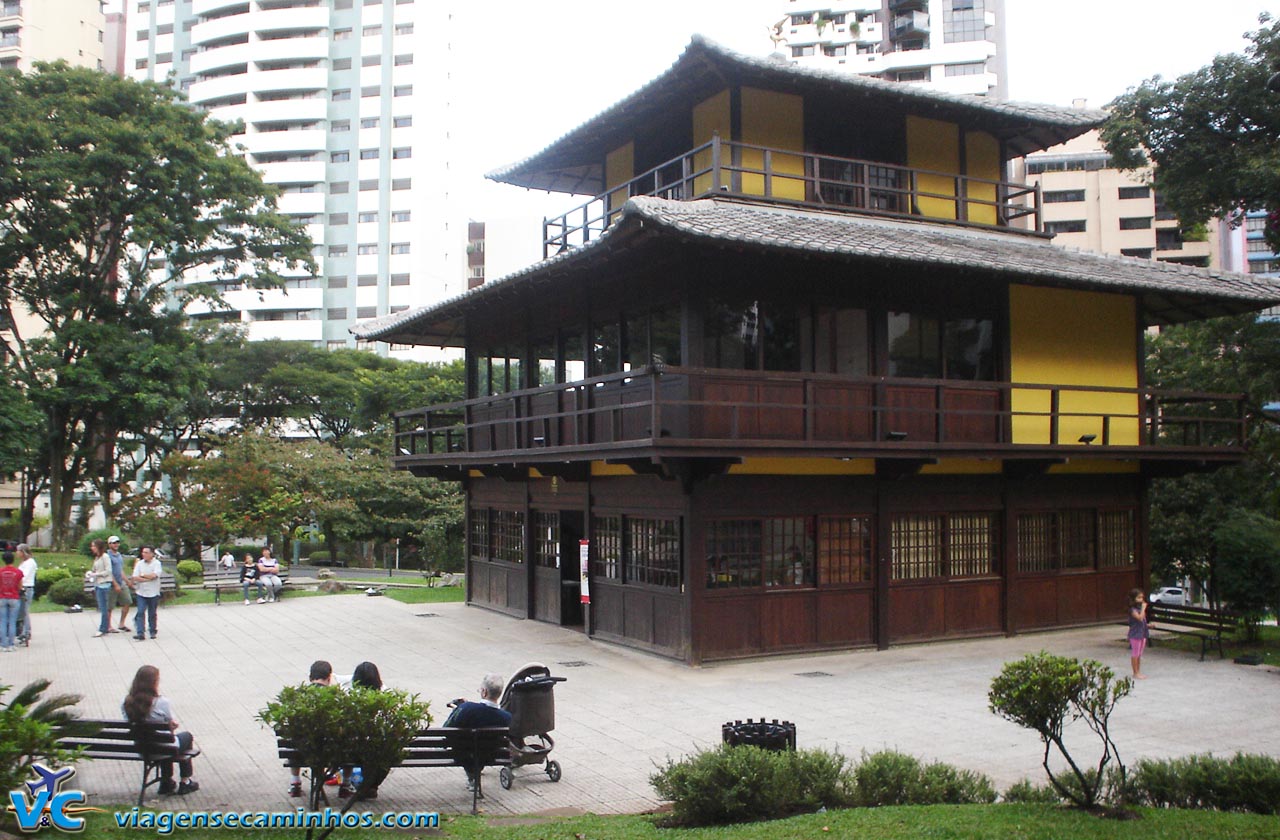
(620, 713)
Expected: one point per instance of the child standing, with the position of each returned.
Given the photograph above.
(1138, 631)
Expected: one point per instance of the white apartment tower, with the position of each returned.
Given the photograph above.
(950, 45)
(348, 117)
(50, 30)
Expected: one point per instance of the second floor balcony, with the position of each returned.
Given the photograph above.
(726, 168)
(662, 412)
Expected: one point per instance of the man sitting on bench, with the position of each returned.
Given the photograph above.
(469, 714)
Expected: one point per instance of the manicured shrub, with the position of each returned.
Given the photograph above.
(893, 778)
(1028, 793)
(190, 570)
(103, 534)
(46, 578)
(1241, 783)
(68, 592)
(741, 784)
(320, 558)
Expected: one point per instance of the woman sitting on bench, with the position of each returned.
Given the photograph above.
(145, 705)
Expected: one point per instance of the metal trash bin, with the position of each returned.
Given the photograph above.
(767, 735)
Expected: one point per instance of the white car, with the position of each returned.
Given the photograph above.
(1169, 595)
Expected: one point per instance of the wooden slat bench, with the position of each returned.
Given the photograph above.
(151, 744)
(219, 579)
(471, 749)
(1207, 625)
(168, 586)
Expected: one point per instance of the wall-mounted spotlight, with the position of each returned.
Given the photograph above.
(895, 436)
(1088, 439)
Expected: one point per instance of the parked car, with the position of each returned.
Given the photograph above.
(1169, 595)
(8, 545)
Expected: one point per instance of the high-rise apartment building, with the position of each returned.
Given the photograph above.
(1092, 206)
(1260, 258)
(950, 45)
(345, 114)
(52, 30)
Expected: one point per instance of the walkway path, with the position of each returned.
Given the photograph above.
(621, 712)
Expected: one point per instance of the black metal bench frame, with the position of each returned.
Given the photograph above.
(471, 749)
(220, 579)
(152, 744)
(1206, 624)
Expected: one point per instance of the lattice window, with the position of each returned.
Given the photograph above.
(1037, 548)
(916, 541)
(788, 552)
(1117, 537)
(844, 549)
(971, 544)
(606, 547)
(733, 553)
(508, 535)
(1075, 538)
(479, 537)
(546, 539)
(653, 551)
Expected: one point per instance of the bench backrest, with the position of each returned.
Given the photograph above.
(443, 747)
(121, 739)
(233, 575)
(168, 583)
(1191, 616)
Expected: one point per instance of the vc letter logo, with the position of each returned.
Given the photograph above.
(43, 803)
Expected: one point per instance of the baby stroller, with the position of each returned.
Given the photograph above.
(530, 698)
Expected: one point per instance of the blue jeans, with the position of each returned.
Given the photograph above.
(103, 595)
(146, 612)
(8, 621)
(24, 612)
(244, 587)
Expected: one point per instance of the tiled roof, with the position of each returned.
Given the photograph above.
(1024, 126)
(1170, 293)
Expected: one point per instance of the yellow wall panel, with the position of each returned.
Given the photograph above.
(710, 117)
(619, 167)
(804, 466)
(962, 466)
(775, 120)
(934, 145)
(982, 160)
(1069, 337)
(599, 468)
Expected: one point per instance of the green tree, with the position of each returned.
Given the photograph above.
(30, 726)
(111, 192)
(1249, 577)
(1214, 135)
(1045, 693)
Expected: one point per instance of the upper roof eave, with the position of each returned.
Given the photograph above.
(561, 167)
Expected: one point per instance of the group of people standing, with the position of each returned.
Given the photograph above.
(112, 588)
(17, 589)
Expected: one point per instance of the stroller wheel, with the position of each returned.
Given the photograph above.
(553, 771)
(504, 778)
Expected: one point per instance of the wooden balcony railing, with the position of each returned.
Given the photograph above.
(725, 411)
(722, 167)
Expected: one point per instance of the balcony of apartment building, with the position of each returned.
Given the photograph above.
(217, 8)
(220, 56)
(293, 46)
(723, 168)
(660, 412)
(300, 139)
(273, 76)
(231, 23)
(909, 24)
(10, 38)
(275, 108)
(226, 87)
(10, 10)
(308, 18)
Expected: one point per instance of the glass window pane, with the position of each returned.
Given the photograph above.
(575, 360)
(604, 349)
(544, 354)
(916, 546)
(914, 347)
(733, 553)
(969, 351)
(780, 332)
(729, 335)
(637, 349)
(788, 552)
(664, 336)
(844, 549)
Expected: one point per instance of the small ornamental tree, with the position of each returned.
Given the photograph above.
(1045, 693)
(1249, 569)
(331, 728)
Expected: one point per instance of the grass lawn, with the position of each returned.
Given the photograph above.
(1268, 647)
(979, 822)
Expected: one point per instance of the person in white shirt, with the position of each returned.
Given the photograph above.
(146, 586)
(269, 576)
(28, 566)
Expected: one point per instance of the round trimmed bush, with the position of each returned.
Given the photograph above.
(321, 558)
(68, 592)
(103, 534)
(190, 570)
(47, 578)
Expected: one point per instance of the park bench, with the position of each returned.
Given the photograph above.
(1207, 625)
(471, 749)
(219, 579)
(151, 744)
(168, 585)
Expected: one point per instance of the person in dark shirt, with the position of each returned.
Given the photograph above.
(469, 714)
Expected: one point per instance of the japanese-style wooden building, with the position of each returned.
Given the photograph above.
(807, 374)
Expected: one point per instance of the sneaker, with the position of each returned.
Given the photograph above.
(188, 786)
(100, 633)
(167, 787)
(295, 790)
(246, 602)
(140, 638)
(262, 600)
(153, 637)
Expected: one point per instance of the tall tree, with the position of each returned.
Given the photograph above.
(1214, 135)
(112, 192)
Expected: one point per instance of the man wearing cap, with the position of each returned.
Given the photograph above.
(123, 595)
